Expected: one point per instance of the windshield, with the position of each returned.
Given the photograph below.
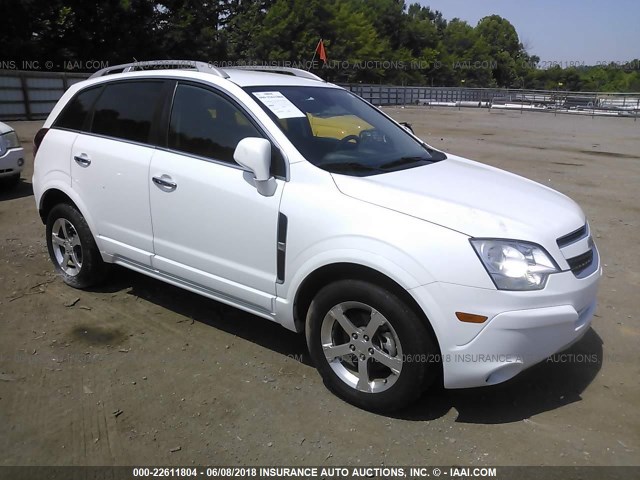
(339, 132)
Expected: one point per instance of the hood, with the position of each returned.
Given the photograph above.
(471, 198)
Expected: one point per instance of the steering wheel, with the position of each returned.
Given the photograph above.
(347, 141)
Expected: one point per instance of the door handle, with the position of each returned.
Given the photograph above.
(83, 160)
(165, 183)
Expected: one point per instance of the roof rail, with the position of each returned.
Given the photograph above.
(160, 65)
(297, 72)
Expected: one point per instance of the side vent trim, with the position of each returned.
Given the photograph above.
(281, 247)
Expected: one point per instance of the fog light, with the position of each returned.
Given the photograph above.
(20, 162)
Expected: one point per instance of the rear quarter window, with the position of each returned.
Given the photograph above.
(126, 110)
(74, 115)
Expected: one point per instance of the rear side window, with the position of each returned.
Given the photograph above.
(74, 115)
(126, 110)
(206, 124)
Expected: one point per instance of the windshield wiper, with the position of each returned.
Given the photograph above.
(405, 161)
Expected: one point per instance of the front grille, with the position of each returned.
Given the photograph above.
(572, 237)
(580, 263)
(6, 170)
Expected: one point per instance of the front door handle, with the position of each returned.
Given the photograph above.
(83, 160)
(165, 183)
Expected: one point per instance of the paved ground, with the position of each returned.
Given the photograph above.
(198, 382)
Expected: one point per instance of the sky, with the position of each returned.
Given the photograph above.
(588, 31)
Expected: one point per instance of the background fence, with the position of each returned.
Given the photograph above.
(586, 103)
(32, 95)
(27, 95)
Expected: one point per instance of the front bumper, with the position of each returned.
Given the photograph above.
(522, 329)
(12, 162)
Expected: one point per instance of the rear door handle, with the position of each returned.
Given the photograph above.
(165, 183)
(83, 160)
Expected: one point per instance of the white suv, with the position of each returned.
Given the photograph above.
(297, 201)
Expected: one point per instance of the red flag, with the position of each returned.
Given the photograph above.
(321, 51)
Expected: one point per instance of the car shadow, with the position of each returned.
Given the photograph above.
(21, 190)
(557, 382)
(231, 320)
(551, 384)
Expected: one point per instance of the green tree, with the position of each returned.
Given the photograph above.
(356, 31)
(595, 79)
(457, 41)
(388, 18)
(291, 30)
(242, 25)
(80, 30)
(190, 29)
(352, 37)
(500, 34)
(505, 48)
(420, 30)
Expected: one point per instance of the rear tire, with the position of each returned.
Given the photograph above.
(369, 346)
(72, 248)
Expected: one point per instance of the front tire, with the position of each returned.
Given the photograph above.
(72, 248)
(369, 346)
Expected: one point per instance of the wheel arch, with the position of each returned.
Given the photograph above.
(332, 272)
(50, 199)
(54, 196)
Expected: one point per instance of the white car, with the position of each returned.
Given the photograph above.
(11, 156)
(297, 201)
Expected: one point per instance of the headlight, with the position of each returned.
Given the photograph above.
(10, 140)
(515, 265)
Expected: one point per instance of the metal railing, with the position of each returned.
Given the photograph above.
(555, 101)
(28, 95)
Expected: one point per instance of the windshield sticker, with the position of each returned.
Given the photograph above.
(279, 104)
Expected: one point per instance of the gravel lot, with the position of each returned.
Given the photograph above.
(139, 372)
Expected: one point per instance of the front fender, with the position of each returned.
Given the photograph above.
(377, 255)
(384, 258)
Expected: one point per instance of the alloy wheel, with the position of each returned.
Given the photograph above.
(67, 248)
(361, 347)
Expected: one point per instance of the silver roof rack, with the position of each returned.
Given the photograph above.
(161, 65)
(201, 67)
(297, 72)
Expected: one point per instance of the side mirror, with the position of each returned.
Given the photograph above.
(254, 154)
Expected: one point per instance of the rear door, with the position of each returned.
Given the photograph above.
(110, 166)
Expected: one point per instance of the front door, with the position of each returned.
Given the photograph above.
(211, 227)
